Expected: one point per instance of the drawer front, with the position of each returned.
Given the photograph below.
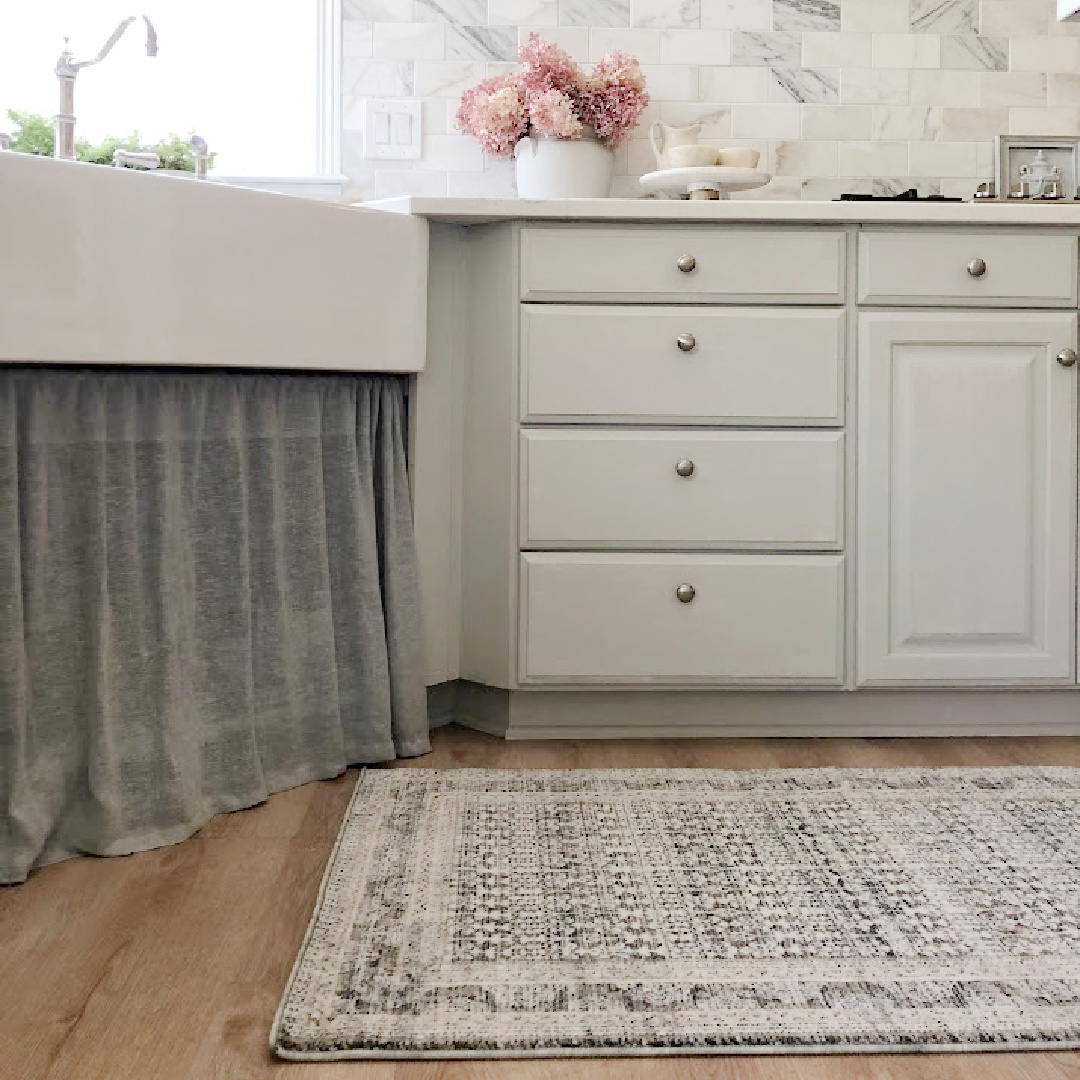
(642, 264)
(737, 365)
(932, 268)
(618, 619)
(627, 489)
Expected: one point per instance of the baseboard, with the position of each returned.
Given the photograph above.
(693, 714)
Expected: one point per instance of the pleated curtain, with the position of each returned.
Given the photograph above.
(208, 593)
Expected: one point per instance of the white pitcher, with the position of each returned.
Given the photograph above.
(663, 137)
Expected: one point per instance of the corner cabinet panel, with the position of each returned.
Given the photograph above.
(966, 498)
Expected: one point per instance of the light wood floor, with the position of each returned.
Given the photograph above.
(169, 964)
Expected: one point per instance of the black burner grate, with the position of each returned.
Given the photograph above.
(911, 195)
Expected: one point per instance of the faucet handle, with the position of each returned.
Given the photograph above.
(139, 160)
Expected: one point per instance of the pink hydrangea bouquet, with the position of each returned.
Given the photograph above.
(553, 96)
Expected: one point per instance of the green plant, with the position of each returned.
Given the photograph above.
(35, 135)
(102, 153)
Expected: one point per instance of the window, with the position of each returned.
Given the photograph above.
(257, 80)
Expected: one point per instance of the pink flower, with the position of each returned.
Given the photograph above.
(615, 97)
(546, 67)
(493, 112)
(553, 97)
(552, 114)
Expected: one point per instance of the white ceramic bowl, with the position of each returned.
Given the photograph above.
(739, 157)
(689, 157)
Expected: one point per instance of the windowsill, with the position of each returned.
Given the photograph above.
(329, 188)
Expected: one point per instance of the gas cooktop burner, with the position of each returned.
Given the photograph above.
(911, 195)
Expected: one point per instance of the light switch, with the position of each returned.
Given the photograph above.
(392, 128)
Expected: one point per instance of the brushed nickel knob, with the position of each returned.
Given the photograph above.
(1067, 357)
(977, 267)
(686, 466)
(686, 593)
(686, 263)
(686, 342)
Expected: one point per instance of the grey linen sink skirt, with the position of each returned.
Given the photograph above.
(208, 593)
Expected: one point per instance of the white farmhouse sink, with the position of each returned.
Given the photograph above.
(113, 266)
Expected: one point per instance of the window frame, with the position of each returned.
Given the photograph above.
(327, 181)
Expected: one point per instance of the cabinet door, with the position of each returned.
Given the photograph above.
(966, 498)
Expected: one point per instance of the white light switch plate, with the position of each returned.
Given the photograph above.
(392, 128)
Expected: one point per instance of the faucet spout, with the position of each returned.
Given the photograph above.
(67, 68)
(66, 71)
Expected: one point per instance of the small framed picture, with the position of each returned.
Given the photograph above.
(1037, 166)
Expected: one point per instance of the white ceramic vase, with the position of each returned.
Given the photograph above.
(563, 168)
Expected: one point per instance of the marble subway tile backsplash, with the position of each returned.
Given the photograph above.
(838, 95)
(945, 16)
(806, 14)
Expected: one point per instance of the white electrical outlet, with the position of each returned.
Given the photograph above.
(392, 128)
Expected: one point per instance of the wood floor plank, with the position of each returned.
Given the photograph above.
(168, 965)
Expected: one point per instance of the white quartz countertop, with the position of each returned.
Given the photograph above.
(983, 212)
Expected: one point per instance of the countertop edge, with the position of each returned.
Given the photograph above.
(466, 211)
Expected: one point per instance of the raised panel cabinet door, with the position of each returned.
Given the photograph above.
(966, 498)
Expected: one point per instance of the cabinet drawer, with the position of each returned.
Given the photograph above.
(932, 268)
(618, 619)
(739, 365)
(763, 489)
(642, 264)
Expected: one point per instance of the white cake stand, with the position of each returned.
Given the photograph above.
(703, 182)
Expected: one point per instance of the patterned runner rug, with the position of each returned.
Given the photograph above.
(483, 913)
